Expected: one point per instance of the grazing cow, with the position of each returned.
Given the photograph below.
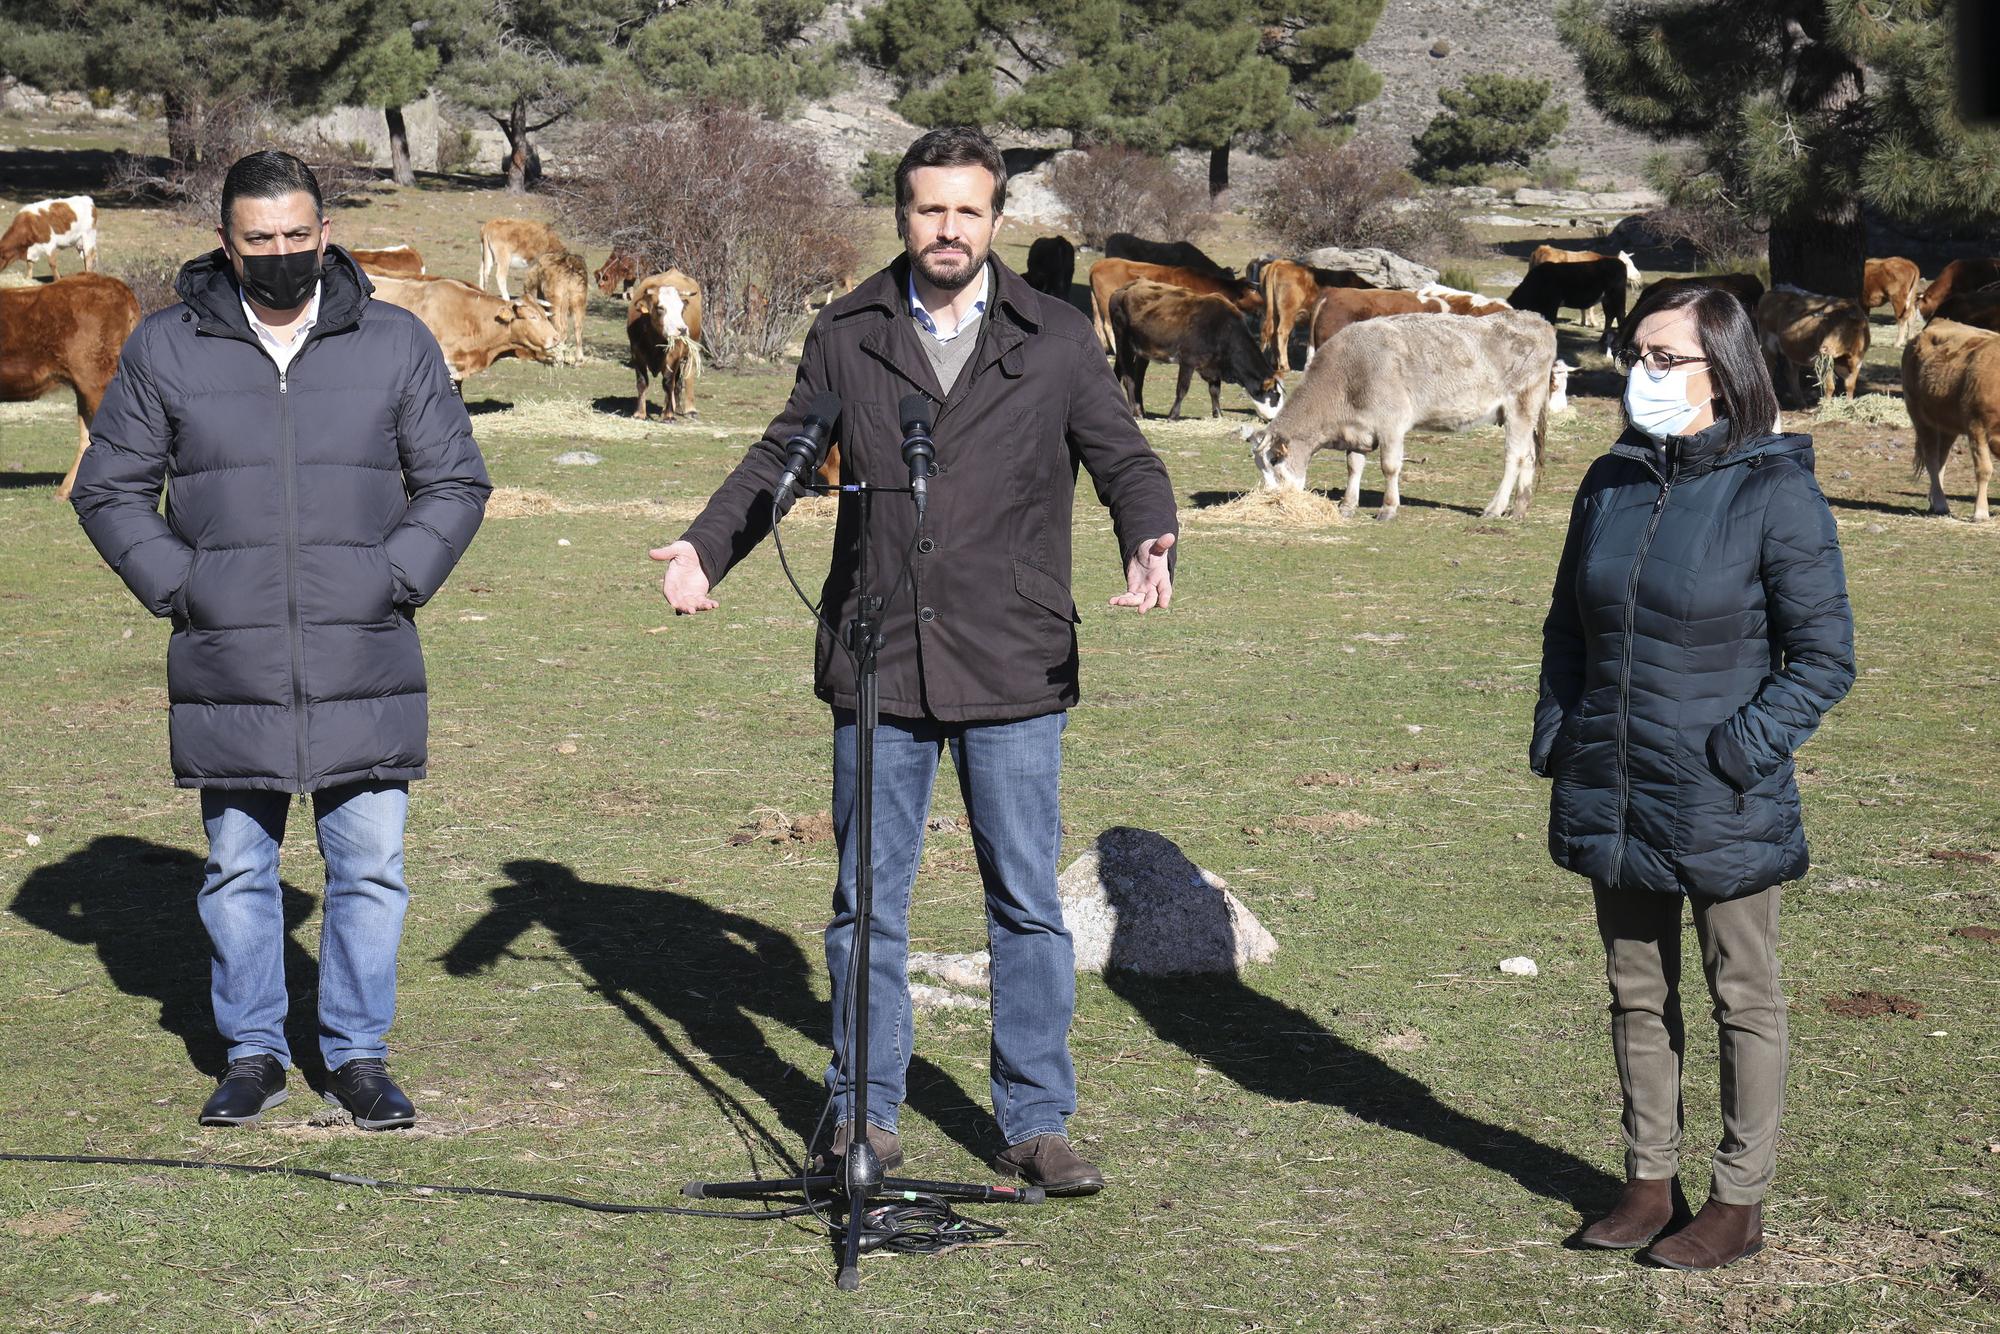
(1108, 275)
(1559, 385)
(42, 228)
(1382, 379)
(1339, 308)
(1290, 290)
(1579, 284)
(473, 328)
(1980, 309)
(1951, 385)
(392, 261)
(618, 274)
(1169, 254)
(1458, 301)
(1203, 333)
(1797, 328)
(508, 241)
(663, 327)
(1961, 275)
(1548, 254)
(1893, 282)
(69, 331)
(1747, 288)
(1052, 266)
(557, 280)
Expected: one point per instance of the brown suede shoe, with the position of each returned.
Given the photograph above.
(888, 1150)
(1049, 1162)
(1721, 1234)
(1645, 1209)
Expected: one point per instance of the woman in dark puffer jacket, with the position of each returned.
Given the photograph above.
(1698, 632)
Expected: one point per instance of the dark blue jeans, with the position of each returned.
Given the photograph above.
(1008, 774)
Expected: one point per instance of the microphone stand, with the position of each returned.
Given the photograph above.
(858, 1177)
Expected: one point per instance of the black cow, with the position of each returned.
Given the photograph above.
(1549, 288)
(1204, 334)
(1173, 254)
(1052, 266)
(1745, 287)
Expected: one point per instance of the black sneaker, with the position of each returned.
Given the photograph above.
(363, 1089)
(251, 1086)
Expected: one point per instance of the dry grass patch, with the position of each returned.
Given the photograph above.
(517, 502)
(1866, 410)
(1272, 509)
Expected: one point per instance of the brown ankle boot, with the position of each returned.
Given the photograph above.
(1721, 1234)
(1644, 1209)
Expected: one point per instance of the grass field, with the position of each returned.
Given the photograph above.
(603, 995)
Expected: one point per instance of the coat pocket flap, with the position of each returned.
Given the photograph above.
(1043, 589)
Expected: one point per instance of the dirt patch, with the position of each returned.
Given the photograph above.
(1324, 778)
(1977, 933)
(1411, 767)
(1869, 1004)
(40, 1227)
(1407, 1040)
(1953, 855)
(773, 826)
(1326, 822)
(1273, 509)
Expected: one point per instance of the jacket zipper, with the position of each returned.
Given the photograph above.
(1625, 671)
(289, 451)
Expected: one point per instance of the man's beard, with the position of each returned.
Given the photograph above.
(954, 281)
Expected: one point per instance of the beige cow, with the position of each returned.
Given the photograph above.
(508, 241)
(1798, 328)
(1951, 385)
(559, 281)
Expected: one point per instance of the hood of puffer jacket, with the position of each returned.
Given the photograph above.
(208, 284)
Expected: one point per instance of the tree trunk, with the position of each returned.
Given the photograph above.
(1821, 249)
(184, 117)
(399, 147)
(1218, 170)
(517, 147)
(1823, 254)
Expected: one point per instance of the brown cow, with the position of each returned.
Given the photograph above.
(1893, 282)
(1548, 254)
(1108, 275)
(507, 241)
(1980, 309)
(1337, 309)
(69, 331)
(663, 327)
(1202, 333)
(42, 228)
(473, 328)
(1951, 385)
(392, 261)
(1797, 328)
(1961, 275)
(1290, 290)
(556, 279)
(618, 273)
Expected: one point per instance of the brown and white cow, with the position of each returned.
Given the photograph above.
(1291, 290)
(1798, 328)
(69, 331)
(508, 241)
(42, 228)
(1458, 301)
(1108, 275)
(390, 261)
(618, 272)
(1382, 379)
(558, 280)
(1951, 385)
(1961, 275)
(1337, 309)
(1893, 282)
(663, 327)
(1548, 254)
(473, 328)
(1201, 332)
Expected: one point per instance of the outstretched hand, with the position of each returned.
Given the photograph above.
(685, 585)
(1149, 581)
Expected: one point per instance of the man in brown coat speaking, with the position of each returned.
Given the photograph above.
(979, 642)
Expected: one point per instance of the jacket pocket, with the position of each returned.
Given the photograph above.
(1045, 591)
(1726, 760)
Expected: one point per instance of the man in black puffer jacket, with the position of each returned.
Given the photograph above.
(321, 481)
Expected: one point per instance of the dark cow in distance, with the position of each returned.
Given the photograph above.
(1961, 275)
(1203, 334)
(1173, 254)
(618, 273)
(1550, 288)
(1747, 288)
(1052, 266)
(1980, 309)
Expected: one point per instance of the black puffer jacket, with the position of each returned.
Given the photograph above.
(1699, 630)
(307, 515)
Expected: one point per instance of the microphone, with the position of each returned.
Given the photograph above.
(918, 451)
(803, 451)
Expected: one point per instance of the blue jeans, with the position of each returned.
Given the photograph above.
(361, 839)
(1008, 774)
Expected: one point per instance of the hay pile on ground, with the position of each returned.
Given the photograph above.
(515, 502)
(1272, 509)
(1868, 409)
(571, 420)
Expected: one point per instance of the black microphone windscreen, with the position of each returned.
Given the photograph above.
(914, 411)
(821, 415)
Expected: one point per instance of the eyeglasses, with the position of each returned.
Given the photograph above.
(1656, 362)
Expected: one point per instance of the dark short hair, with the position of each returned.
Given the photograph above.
(1729, 340)
(269, 174)
(957, 146)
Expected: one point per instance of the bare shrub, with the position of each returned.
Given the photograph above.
(733, 201)
(1715, 232)
(1357, 194)
(228, 131)
(1111, 188)
(152, 281)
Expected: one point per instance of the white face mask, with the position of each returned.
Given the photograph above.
(1658, 404)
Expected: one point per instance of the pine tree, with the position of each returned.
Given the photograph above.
(1489, 121)
(393, 62)
(1805, 111)
(744, 53)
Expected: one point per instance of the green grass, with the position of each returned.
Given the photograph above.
(601, 995)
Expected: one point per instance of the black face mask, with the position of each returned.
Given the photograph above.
(281, 282)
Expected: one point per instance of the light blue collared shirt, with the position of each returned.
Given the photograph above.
(929, 325)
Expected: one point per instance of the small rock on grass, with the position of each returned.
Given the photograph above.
(577, 458)
(1520, 966)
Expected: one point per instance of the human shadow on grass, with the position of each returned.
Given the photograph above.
(655, 953)
(1278, 1051)
(30, 481)
(486, 406)
(133, 901)
(1370, 500)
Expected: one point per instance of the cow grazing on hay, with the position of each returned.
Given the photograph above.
(473, 328)
(42, 228)
(1203, 333)
(1893, 282)
(66, 332)
(504, 242)
(1951, 385)
(1052, 266)
(1799, 328)
(557, 281)
(1382, 379)
(663, 327)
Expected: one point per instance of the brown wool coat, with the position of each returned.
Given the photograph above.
(984, 627)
